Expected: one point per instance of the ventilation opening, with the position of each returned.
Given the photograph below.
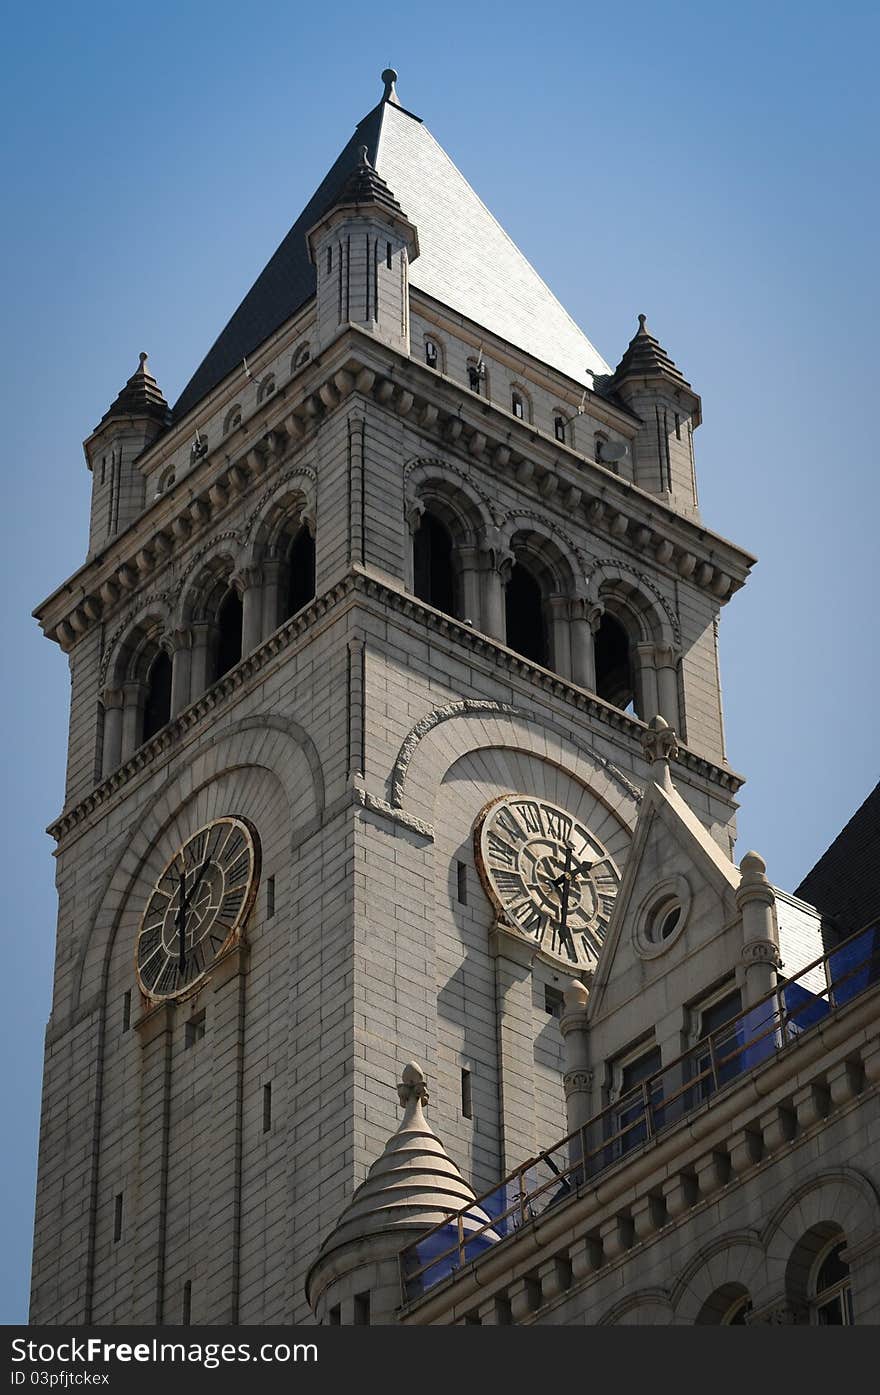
(614, 682)
(117, 1218)
(157, 708)
(229, 639)
(126, 1010)
(434, 580)
(301, 572)
(525, 616)
(186, 1309)
(267, 1108)
(270, 897)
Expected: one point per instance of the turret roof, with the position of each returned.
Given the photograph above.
(645, 357)
(141, 397)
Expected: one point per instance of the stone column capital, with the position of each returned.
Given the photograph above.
(112, 697)
(665, 655)
(415, 510)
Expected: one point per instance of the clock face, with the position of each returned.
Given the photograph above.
(547, 874)
(198, 906)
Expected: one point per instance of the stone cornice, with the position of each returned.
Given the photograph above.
(362, 583)
(565, 481)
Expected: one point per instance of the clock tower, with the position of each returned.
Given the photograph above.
(363, 652)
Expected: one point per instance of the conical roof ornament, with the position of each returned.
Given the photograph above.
(646, 358)
(141, 397)
(389, 77)
(413, 1184)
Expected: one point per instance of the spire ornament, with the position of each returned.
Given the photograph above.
(389, 77)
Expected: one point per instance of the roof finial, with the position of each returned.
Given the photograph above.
(412, 1089)
(143, 362)
(389, 77)
(643, 324)
(364, 159)
(660, 745)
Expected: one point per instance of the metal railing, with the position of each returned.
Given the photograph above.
(741, 1045)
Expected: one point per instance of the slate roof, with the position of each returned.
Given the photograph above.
(845, 883)
(466, 260)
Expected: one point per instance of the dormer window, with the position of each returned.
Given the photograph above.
(517, 406)
(431, 353)
(559, 428)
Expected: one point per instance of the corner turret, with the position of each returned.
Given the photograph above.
(361, 249)
(650, 385)
(138, 415)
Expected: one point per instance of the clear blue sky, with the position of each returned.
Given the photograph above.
(712, 165)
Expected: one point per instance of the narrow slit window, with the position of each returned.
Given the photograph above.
(329, 260)
(677, 427)
(362, 1310)
(194, 1030)
(554, 1001)
(267, 1109)
(467, 1098)
(461, 882)
(270, 897)
(388, 255)
(126, 1010)
(559, 428)
(117, 1218)
(186, 1310)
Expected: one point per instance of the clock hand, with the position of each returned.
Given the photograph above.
(181, 919)
(202, 870)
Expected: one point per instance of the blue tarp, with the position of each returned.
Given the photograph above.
(806, 1008)
(855, 966)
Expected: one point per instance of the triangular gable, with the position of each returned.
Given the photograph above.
(466, 260)
(697, 857)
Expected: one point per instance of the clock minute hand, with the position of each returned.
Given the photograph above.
(181, 920)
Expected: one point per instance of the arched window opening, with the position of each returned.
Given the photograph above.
(301, 572)
(614, 677)
(431, 355)
(517, 405)
(831, 1293)
(728, 1306)
(476, 370)
(301, 356)
(229, 617)
(524, 608)
(559, 428)
(157, 703)
(434, 577)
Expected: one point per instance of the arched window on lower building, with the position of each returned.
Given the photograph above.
(830, 1289)
(229, 618)
(157, 700)
(300, 573)
(729, 1306)
(524, 612)
(614, 668)
(435, 579)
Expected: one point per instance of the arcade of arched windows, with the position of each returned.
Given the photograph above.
(163, 663)
(524, 592)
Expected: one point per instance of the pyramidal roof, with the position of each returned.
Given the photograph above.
(467, 261)
(141, 397)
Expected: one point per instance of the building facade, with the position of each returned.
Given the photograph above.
(395, 719)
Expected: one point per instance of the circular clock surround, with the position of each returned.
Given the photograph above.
(528, 853)
(197, 907)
